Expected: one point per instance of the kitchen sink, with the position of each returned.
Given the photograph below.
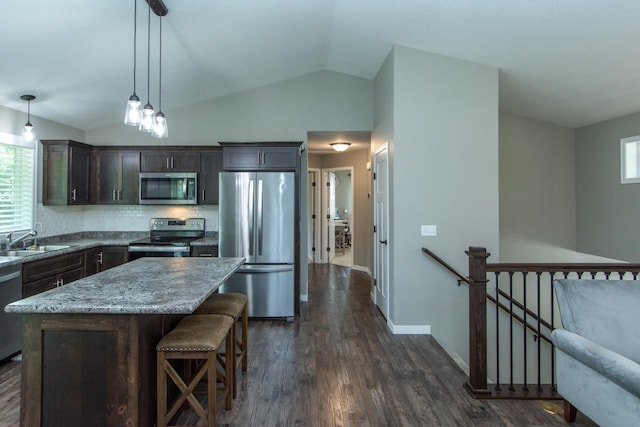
(34, 250)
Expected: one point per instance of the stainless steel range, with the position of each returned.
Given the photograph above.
(168, 237)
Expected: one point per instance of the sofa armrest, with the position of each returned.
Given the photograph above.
(613, 366)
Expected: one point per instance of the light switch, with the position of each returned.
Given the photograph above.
(428, 230)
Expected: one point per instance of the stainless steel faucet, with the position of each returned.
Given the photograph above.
(10, 243)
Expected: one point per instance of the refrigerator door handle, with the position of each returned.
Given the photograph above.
(259, 221)
(251, 206)
(250, 269)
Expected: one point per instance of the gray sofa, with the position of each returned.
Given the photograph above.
(598, 351)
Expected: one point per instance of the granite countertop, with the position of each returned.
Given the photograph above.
(144, 286)
(88, 240)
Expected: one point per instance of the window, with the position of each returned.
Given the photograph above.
(630, 159)
(16, 183)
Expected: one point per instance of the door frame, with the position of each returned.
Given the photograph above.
(314, 234)
(352, 216)
(381, 297)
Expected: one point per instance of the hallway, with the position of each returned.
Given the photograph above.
(337, 364)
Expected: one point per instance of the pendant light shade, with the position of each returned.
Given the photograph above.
(160, 129)
(28, 132)
(133, 115)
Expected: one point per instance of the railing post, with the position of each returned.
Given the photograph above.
(477, 383)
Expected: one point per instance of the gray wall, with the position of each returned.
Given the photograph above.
(445, 172)
(607, 211)
(537, 185)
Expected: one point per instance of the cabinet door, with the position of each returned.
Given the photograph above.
(279, 157)
(79, 173)
(241, 158)
(113, 256)
(39, 286)
(210, 166)
(169, 161)
(71, 276)
(55, 176)
(129, 180)
(107, 174)
(92, 261)
(36, 270)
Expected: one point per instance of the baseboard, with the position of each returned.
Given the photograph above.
(304, 297)
(409, 329)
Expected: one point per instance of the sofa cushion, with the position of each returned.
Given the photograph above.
(606, 312)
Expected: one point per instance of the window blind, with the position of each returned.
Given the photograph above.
(16, 186)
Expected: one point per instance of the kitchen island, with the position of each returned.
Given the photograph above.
(88, 353)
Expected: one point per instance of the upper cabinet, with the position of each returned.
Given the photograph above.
(169, 161)
(115, 176)
(258, 156)
(66, 172)
(210, 166)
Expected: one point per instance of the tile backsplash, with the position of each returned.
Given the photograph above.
(72, 219)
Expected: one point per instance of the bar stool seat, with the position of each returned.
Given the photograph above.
(200, 338)
(235, 306)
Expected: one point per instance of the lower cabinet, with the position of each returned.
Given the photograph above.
(204, 251)
(104, 258)
(42, 275)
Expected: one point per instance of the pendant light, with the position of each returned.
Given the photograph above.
(28, 133)
(148, 115)
(160, 129)
(132, 114)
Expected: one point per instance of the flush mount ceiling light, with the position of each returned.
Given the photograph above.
(28, 133)
(340, 146)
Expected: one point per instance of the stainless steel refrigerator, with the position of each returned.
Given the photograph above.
(256, 221)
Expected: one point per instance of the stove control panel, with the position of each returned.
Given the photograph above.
(173, 224)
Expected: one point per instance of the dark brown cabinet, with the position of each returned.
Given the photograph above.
(105, 257)
(210, 166)
(66, 172)
(42, 275)
(204, 251)
(169, 161)
(260, 157)
(115, 177)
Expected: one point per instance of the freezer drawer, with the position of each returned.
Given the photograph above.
(269, 288)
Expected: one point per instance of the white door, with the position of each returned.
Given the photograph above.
(329, 203)
(381, 224)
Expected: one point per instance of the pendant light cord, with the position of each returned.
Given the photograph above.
(148, 52)
(135, 25)
(160, 71)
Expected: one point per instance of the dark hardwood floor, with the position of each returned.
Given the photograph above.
(337, 364)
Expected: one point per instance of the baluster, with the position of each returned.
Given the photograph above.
(539, 332)
(511, 387)
(497, 387)
(525, 387)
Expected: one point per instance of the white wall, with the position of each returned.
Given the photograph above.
(445, 157)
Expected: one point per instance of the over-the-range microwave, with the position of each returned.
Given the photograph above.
(168, 188)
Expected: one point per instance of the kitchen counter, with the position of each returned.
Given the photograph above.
(88, 355)
(143, 286)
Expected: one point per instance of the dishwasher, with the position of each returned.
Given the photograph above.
(10, 323)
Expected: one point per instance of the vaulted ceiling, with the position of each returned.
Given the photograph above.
(570, 62)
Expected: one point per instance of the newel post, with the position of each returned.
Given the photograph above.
(477, 383)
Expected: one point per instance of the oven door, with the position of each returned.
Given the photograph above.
(140, 251)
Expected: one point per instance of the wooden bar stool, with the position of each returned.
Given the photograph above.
(200, 338)
(235, 306)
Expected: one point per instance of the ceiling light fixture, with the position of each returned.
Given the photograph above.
(340, 146)
(132, 114)
(148, 114)
(160, 129)
(28, 133)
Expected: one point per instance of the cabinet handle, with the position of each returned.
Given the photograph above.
(59, 283)
(168, 163)
(259, 158)
(172, 165)
(113, 195)
(73, 195)
(100, 258)
(202, 198)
